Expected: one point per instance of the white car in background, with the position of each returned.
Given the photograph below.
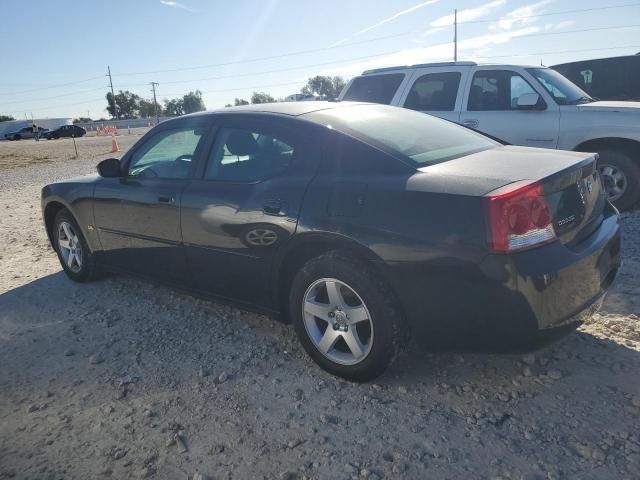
(530, 106)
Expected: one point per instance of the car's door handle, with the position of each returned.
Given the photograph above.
(471, 122)
(167, 198)
(274, 207)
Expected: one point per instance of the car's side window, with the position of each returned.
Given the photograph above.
(247, 155)
(493, 90)
(166, 155)
(434, 92)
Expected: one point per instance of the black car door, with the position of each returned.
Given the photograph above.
(246, 204)
(138, 214)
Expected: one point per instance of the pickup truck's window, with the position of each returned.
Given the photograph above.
(434, 92)
(560, 88)
(493, 90)
(374, 88)
(417, 138)
(241, 155)
(166, 155)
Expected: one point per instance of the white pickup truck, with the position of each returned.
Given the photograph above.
(532, 106)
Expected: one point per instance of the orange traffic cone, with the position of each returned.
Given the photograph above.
(114, 144)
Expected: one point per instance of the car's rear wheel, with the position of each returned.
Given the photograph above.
(344, 317)
(621, 178)
(17, 137)
(74, 254)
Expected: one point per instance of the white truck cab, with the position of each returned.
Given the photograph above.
(530, 106)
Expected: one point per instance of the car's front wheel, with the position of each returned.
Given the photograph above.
(76, 259)
(344, 317)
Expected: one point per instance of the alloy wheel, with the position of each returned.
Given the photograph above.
(70, 247)
(337, 321)
(614, 179)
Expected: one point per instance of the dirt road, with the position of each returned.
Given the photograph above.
(126, 379)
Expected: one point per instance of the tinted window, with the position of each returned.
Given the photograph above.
(434, 92)
(243, 155)
(497, 90)
(374, 88)
(166, 155)
(606, 79)
(419, 138)
(352, 157)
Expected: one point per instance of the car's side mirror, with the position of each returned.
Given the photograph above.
(109, 168)
(528, 101)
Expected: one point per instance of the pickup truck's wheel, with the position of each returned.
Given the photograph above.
(344, 317)
(621, 177)
(77, 261)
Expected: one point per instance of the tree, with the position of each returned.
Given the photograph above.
(174, 107)
(261, 97)
(127, 104)
(240, 101)
(192, 102)
(148, 109)
(6, 118)
(324, 86)
(82, 120)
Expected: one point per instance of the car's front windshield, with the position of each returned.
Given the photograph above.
(420, 138)
(559, 87)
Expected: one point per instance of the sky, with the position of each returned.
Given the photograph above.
(55, 54)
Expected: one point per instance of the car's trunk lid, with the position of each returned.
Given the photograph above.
(570, 180)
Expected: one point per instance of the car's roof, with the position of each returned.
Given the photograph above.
(293, 109)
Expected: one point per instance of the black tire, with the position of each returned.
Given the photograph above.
(87, 271)
(631, 170)
(386, 321)
(17, 137)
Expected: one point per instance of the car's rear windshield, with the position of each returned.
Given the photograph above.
(374, 88)
(418, 137)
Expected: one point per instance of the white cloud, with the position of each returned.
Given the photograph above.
(520, 16)
(174, 4)
(468, 14)
(386, 20)
(564, 24)
(471, 49)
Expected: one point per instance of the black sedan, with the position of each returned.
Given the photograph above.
(65, 131)
(360, 224)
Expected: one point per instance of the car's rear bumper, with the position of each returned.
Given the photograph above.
(510, 299)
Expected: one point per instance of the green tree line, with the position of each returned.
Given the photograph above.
(131, 105)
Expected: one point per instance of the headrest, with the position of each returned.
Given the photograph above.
(241, 143)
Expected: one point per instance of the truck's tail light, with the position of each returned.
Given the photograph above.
(518, 217)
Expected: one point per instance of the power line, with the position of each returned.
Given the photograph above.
(13, 102)
(52, 86)
(264, 72)
(359, 42)
(577, 10)
(553, 52)
(279, 70)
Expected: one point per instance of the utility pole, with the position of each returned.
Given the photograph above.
(113, 95)
(155, 102)
(455, 35)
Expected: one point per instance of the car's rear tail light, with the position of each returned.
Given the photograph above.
(518, 217)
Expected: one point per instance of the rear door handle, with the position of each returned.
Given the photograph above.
(169, 198)
(274, 207)
(471, 122)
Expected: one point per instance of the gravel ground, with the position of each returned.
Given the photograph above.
(126, 379)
